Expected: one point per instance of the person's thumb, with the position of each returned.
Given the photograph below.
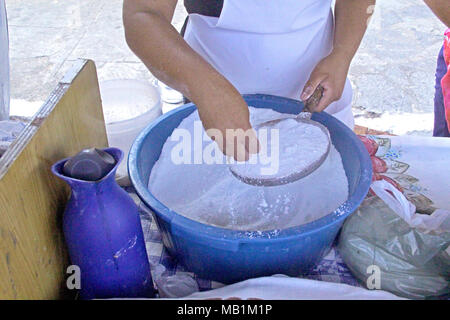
(311, 86)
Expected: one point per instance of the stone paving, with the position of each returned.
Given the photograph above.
(392, 74)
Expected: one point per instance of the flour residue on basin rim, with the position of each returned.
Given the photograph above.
(210, 194)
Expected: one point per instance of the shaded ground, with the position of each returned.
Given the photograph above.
(392, 74)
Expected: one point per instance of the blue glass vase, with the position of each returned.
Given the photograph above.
(104, 237)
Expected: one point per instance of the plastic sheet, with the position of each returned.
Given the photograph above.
(408, 248)
(174, 286)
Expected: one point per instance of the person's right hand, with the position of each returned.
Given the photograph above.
(227, 122)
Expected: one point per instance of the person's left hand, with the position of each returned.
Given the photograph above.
(331, 74)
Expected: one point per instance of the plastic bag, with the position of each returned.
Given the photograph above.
(175, 286)
(9, 130)
(409, 249)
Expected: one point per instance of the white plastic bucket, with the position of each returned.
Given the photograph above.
(128, 107)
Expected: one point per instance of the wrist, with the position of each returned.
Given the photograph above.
(341, 56)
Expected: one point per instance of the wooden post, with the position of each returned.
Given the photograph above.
(33, 258)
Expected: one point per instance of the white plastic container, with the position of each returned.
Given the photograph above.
(128, 107)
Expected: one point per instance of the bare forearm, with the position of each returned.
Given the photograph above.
(156, 42)
(351, 18)
(150, 35)
(441, 9)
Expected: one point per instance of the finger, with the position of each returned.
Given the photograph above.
(217, 136)
(221, 143)
(241, 153)
(244, 143)
(311, 86)
(252, 142)
(313, 101)
(326, 100)
(229, 148)
(234, 149)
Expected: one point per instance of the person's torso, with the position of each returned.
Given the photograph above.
(259, 45)
(262, 46)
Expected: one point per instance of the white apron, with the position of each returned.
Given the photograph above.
(269, 47)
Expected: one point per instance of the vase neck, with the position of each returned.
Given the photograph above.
(91, 186)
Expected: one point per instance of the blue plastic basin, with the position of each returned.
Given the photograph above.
(227, 255)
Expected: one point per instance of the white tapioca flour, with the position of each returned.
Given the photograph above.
(210, 194)
(298, 146)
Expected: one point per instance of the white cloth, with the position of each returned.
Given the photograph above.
(269, 47)
(281, 287)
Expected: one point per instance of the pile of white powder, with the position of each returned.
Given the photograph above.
(210, 194)
(298, 146)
